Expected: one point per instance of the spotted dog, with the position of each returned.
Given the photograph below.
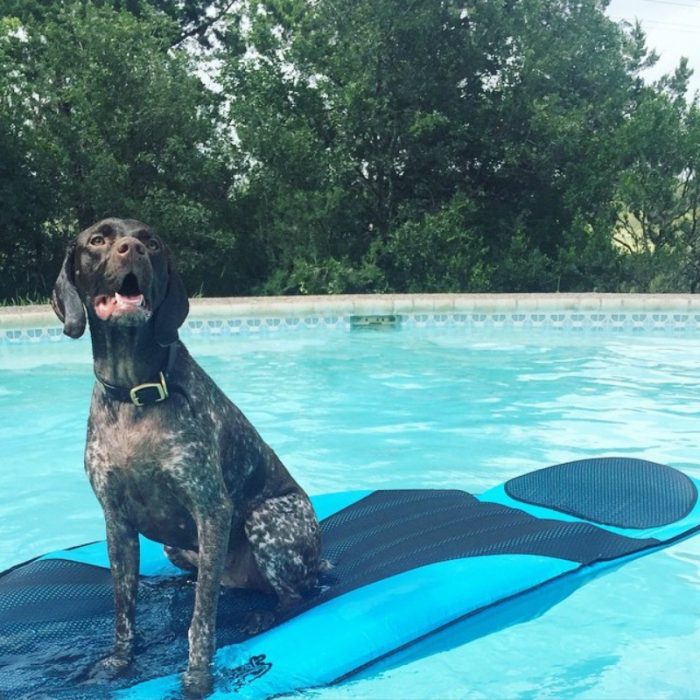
(168, 455)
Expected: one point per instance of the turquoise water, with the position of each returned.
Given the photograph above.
(440, 408)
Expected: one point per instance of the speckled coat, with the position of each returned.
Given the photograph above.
(190, 471)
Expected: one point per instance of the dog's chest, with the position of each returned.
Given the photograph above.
(141, 467)
(131, 446)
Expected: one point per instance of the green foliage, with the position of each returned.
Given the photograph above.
(659, 191)
(364, 123)
(102, 119)
(364, 146)
(437, 253)
(328, 276)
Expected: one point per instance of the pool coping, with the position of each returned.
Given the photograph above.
(363, 304)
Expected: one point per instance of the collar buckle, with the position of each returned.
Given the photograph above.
(149, 393)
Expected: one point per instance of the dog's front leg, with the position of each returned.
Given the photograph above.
(213, 528)
(123, 548)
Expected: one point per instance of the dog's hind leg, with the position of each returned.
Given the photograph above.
(285, 539)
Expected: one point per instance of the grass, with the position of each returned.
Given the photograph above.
(26, 300)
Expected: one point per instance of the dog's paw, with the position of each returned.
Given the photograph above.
(110, 667)
(325, 566)
(196, 685)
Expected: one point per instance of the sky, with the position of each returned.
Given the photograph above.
(672, 28)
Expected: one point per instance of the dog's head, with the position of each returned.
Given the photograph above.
(123, 275)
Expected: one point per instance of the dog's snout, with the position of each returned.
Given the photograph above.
(130, 246)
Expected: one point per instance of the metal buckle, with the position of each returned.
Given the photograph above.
(160, 389)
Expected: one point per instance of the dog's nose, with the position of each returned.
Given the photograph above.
(129, 245)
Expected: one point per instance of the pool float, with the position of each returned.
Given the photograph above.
(407, 565)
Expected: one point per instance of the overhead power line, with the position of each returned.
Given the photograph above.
(695, 5)
(663, 26)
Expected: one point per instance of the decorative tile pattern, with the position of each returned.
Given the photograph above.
(554, 320)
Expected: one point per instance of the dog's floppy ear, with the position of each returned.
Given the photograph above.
(65, 300)
(173, 310)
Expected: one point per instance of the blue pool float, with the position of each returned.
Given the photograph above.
(407, 565)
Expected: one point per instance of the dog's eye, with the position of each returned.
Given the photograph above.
(152, 244)
(97, 240)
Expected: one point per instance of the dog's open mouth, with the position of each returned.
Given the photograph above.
(128, 300)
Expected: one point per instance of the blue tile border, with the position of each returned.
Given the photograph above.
(561, 320)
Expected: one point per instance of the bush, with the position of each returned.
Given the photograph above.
(436, 253)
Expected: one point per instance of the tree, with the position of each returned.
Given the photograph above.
(361, 122)
(120, 125)
(368, 145)
(351, 117)
(549, 144)
(196, 19)
(27, 197)
(659, 193)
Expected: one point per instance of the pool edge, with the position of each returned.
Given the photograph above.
(353, 304)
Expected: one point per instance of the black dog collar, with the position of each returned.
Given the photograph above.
(144, 394)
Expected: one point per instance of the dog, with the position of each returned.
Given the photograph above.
(168, 455)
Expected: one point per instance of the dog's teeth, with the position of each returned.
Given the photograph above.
(134, 300)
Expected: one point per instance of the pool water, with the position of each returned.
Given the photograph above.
(402, 408)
